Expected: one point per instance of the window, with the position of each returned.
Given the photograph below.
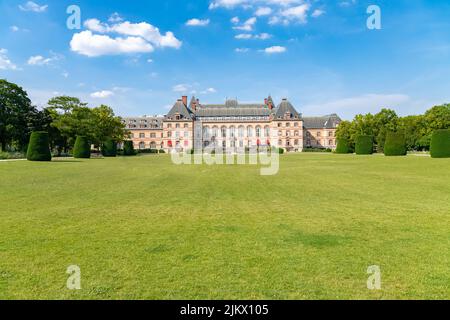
(186, 143)
(186, 134)
(279, 124)
(288, 125)
(296, 124)
(280, 133)
(295, 142)
(142, 145)
(330, 133)
(241, 132)
(267, 130)
(177, 126)
(319, 133)
(258, 132)
(142, 135)
(241, 144)
(232, 132)
(186, 125)
(224, 132)
(153, 145)
(169, 134)
(152, 135)
(288, 133)
(296, 133)
(169, 125)
(330, 143)
(249, 132)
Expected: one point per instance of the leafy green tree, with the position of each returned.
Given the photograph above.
(107, 126)
(17, 115)
(384, 122)
(72, 118)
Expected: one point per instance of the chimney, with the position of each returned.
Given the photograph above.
(184, 99)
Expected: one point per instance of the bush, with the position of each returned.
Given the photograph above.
(343, 146)
(38, 148)
(161, 151)
(280, 150)
(11, 155)
(128, 149)
(395, 144)
(151, 151)
(310, 149)
(109, 148)
(440, 144)
(364, 145)
(82, 148)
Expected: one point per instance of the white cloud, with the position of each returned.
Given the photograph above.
(263, 11)
(235, 20)
(139, 38)
(150, 60)
(102, 94)
(298, 13)
(181, 88)
(275, 49)
(226, 3)
(208, 91)
(92, 45)
(241, 50)
(197, 22)
(246, 36)
(39, 61)
(115, 17)
(34, 7)
(247, 25)
(5, 62)
(14, 28)
(317, 13)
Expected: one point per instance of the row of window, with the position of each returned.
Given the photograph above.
(178, 126)
(331, 143)
(319, 134)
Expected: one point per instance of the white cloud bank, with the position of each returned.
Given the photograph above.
(275, 49)
(102, 94)
(133, 38)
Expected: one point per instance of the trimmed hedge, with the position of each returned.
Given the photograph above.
(440, 144)
(109, 148)
(128, 148)
(82, 148)
(343, 146)
(364, 145)
(395, 144)
(39, 147)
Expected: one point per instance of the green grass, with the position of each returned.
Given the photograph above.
(142, 228)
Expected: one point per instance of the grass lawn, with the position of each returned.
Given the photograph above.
(142, 228)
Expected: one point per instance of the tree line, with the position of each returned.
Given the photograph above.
(417, 129)
(64, 118)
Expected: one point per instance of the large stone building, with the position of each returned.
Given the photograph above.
(233, 125)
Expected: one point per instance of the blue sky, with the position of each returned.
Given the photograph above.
(140, 56)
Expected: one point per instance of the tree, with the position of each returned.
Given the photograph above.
(106, 125)
(38, 148)
(344, 132)
(17, 115)
(72, 118)
(384, 121)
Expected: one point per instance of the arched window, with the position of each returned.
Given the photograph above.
(241, 132)
(249, 131)
(224, 132)
(267, 131)
(215, 132)
(232, 132)
(142, 145)
(153, 145)
(258, 132)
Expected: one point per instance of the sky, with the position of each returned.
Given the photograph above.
(140, 56)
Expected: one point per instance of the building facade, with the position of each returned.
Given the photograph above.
(233, 125)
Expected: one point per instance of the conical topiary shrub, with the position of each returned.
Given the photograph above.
(38, 148)
(128, 148)
(364, 145)
(343, 146)
(109, 148)
(82, 148)
(395, 144)
(440, 144)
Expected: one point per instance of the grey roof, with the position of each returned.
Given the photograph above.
(326, 122)
(284, 108)
(232, 108)
(143, 122)
(180, 109)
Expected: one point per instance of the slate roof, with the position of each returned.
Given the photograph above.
(326, 122)
(179, 108)
(143, 122)
(232, 108)
(285, 107)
